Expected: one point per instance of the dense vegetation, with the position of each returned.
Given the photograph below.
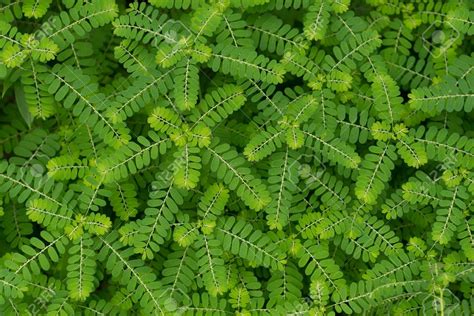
(247, 157)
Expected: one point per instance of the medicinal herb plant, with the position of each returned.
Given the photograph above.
(236, 157)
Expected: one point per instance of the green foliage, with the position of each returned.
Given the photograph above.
(243, 240)
(81, 269)
(35, 9)
(247, 157)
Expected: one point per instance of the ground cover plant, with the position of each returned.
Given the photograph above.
(265, 157)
